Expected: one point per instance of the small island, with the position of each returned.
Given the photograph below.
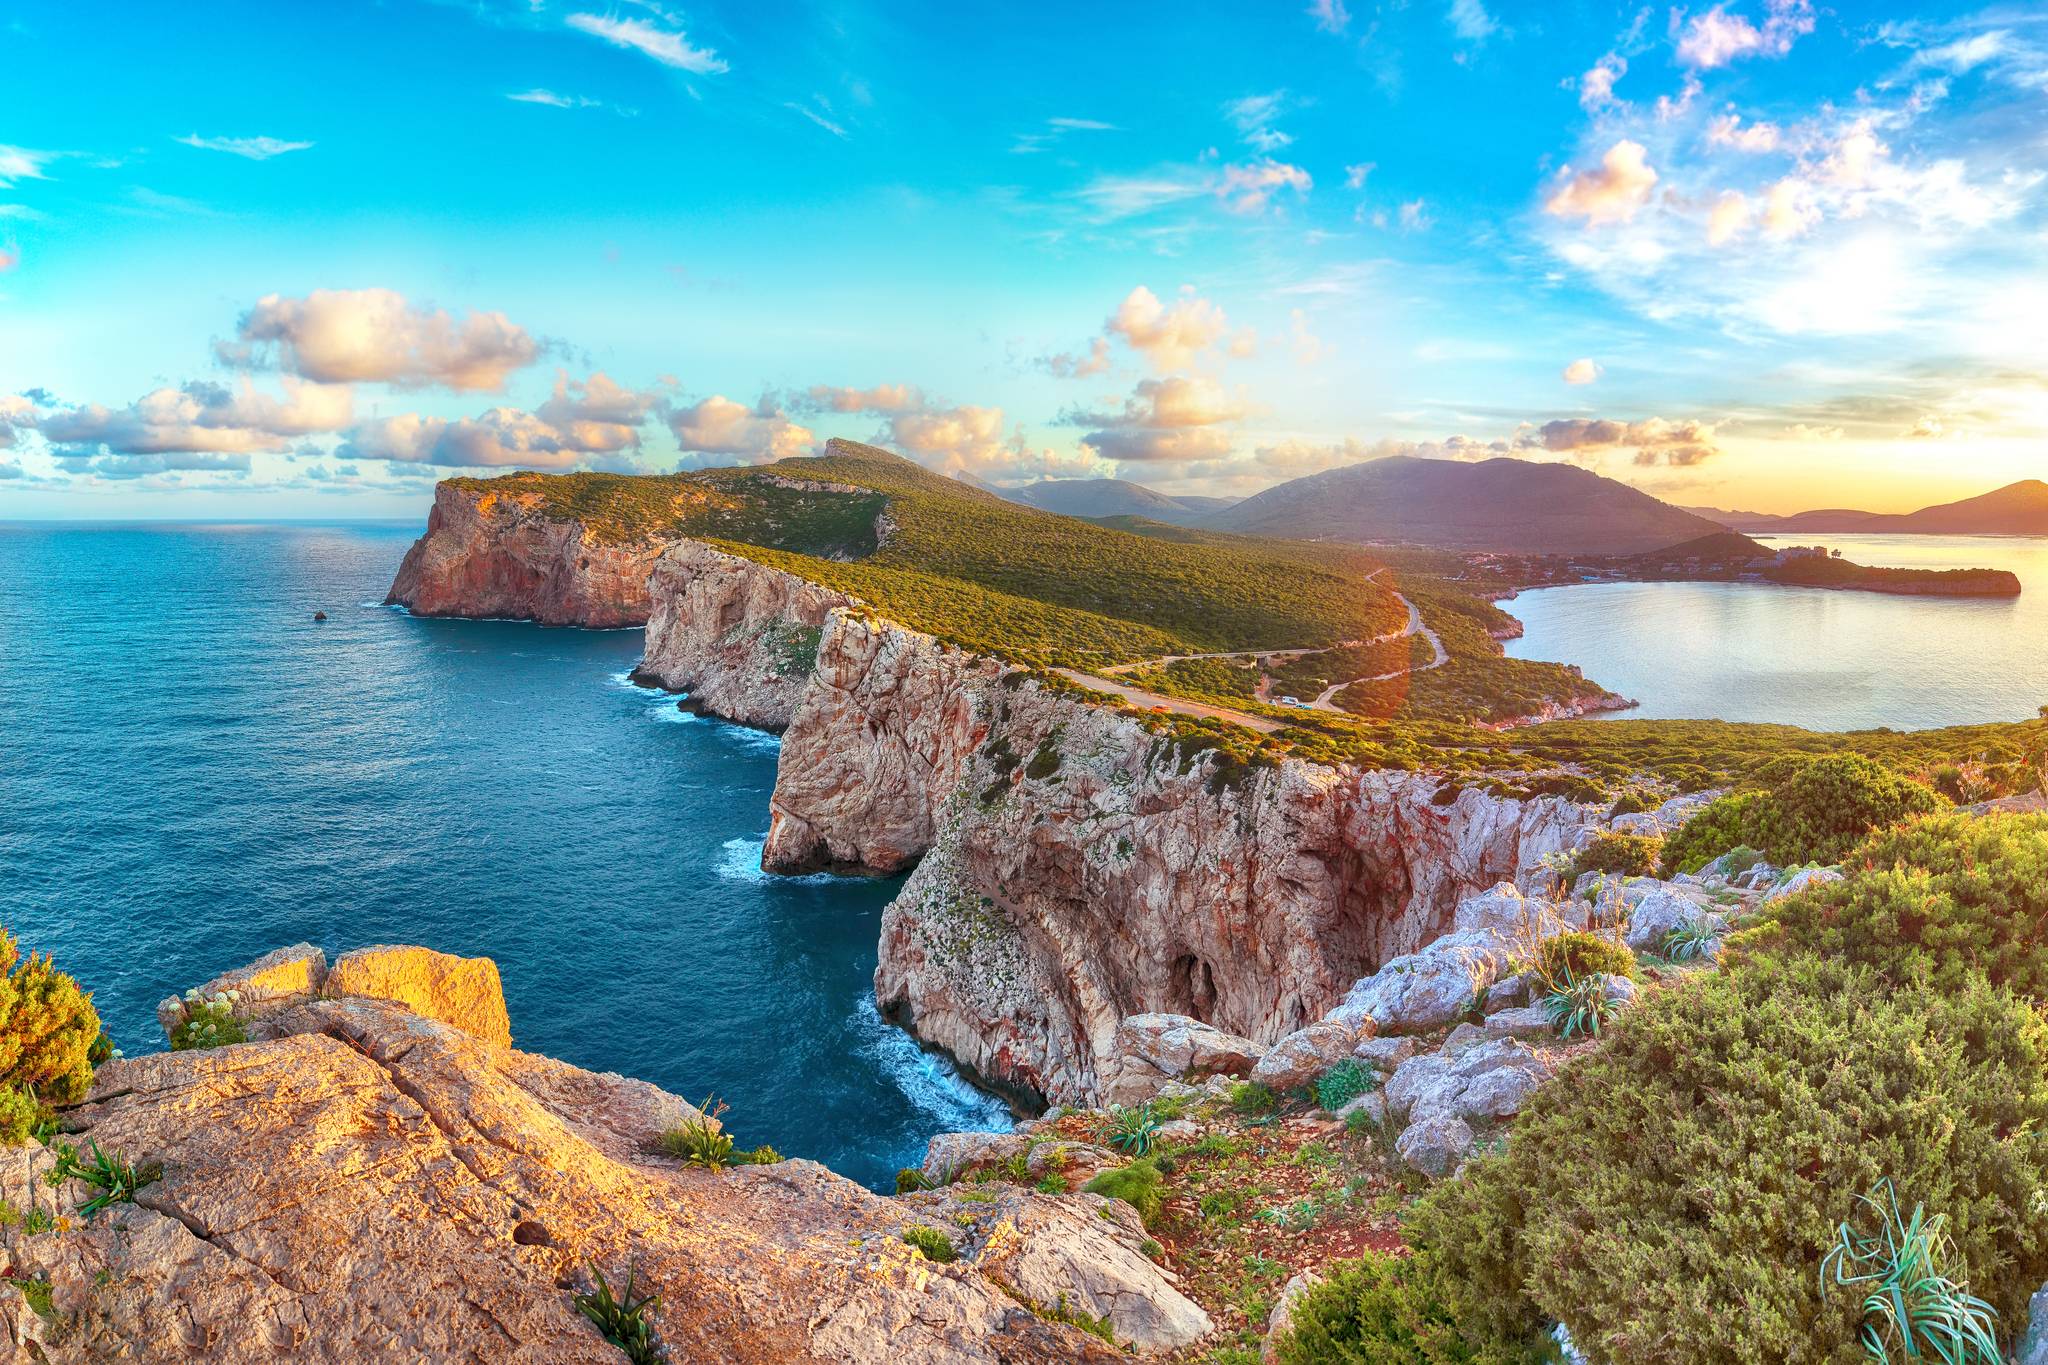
(1731, 557)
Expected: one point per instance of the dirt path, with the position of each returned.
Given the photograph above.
(1138, 696)
(1324, 702)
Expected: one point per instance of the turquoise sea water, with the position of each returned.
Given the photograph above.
(1805, 656)
(193, 772)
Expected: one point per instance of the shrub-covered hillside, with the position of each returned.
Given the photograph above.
(1006, 580)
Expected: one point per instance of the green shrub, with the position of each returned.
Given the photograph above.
(22, 1115)
(1137, 1184)
(1344, 1082)
(1671, 1196)
(910, 1179)
(623, 1319)
(1253, 1098)
(1814, 811)
(933, 1244)
(1132, 1131)
(1379, 1310)
(47, 1028)
(1579, 954)
(1625, 855)
(701, 1142)
(210, 1023)
(1936, 901)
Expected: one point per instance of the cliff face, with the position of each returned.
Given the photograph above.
(739, 637)
(365, 1182)
(1077, 868)
(1071, 867)
(494, 555)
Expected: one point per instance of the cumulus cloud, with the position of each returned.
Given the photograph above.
(1728, 131)
(1651, 441)
(1068, 365)
(116, 466)
(592, 422)
(17, 414)
(1170, 336)
(1249, 189)
(200, 418)
(375, 335)
(1729, 216)
(596, 414)
(253, 148)
(1717, 37)
(1596, 87)
(1170, 419)
(1608, 193)
(670, 47)
(759, 434)
(882, 398)
(1581, 371)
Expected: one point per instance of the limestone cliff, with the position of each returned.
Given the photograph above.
(491, 554)
(1072, 867)
(363, 1182)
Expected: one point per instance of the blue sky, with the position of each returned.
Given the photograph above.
(297, 260)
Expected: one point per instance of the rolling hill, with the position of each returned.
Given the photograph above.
(2018, 509)
(1505, 505)
(1112, 498)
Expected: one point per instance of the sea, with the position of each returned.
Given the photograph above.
(1822, 659)
(193, 771)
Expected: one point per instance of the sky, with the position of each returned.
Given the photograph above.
(301, 261)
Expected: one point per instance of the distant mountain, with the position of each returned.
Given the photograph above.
(1506, 505)
(2018, 509)
(1112, 498)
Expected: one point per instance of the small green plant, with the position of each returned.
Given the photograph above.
(1054, 1183)
(1137, 1184)
(36, 1293)
(1578, 1005)
(1253, 1098)
(116, 1179)
(22, 1115)
(624, 1319)
(910, 1179)
(931, 1243)
(208, 1023)
(1345, 1082)
(1580, 953)
(700, 1141)
(1691, 940)
(1062, 1311)
(1133, 1131)
(1911, 1307)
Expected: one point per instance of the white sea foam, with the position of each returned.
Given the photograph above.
(930, 1082)
(741, 862)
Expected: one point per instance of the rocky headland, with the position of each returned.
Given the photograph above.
(377, 1174)
(1072, 866)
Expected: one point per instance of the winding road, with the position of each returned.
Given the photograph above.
(1104, 681)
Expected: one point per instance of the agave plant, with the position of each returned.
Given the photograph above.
(1132, 1131)
(623, 1319)
(1911, 1310)
(701, 1141)
(1578, 1004)
(1693, 939)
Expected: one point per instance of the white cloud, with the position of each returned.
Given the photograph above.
(1727, 131)
(1174, 419)
(1729, 216)
(1471, 22)
(1248, 189)
(669, 47)
(1581, 371)
(1253, 116)
(1128, 196)
(1308, 347)
(1596, 87)
(1068, 365)
(1330, 15)
(757, 435)
(554, 100)
(1608, 193)
(19, 163)
(1170, 336)
(254, 148)
(1651, 441)
(882, 398)
(590, 422)
(1354, 176)
(375, 335)
(1415, 216)
(200, 418)
(1717, 37)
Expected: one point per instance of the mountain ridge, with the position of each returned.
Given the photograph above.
(2019, 508)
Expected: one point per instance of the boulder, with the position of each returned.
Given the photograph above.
(1305, 1054)
(1435, 1145)
(1800, 880)
(1637, 822)
(1280, 1321)
(950, 1155)
(1509, 913)
(1149, 1050)
(1417, 992)
(1384, 1054)
(1080, 1250)
(1466, 1034)
(1527, 1021)
(1655, 916)
(1509, 992)
(462, 992)
(2033, 1347)
(1078, 1161)
(1499, 1093)
(1372, 1104)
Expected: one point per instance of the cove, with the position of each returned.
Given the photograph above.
(193, 772)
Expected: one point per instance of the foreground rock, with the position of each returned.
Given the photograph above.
(1150, 1050)
(364, 1183)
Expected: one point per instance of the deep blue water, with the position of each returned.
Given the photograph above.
(193, 772)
